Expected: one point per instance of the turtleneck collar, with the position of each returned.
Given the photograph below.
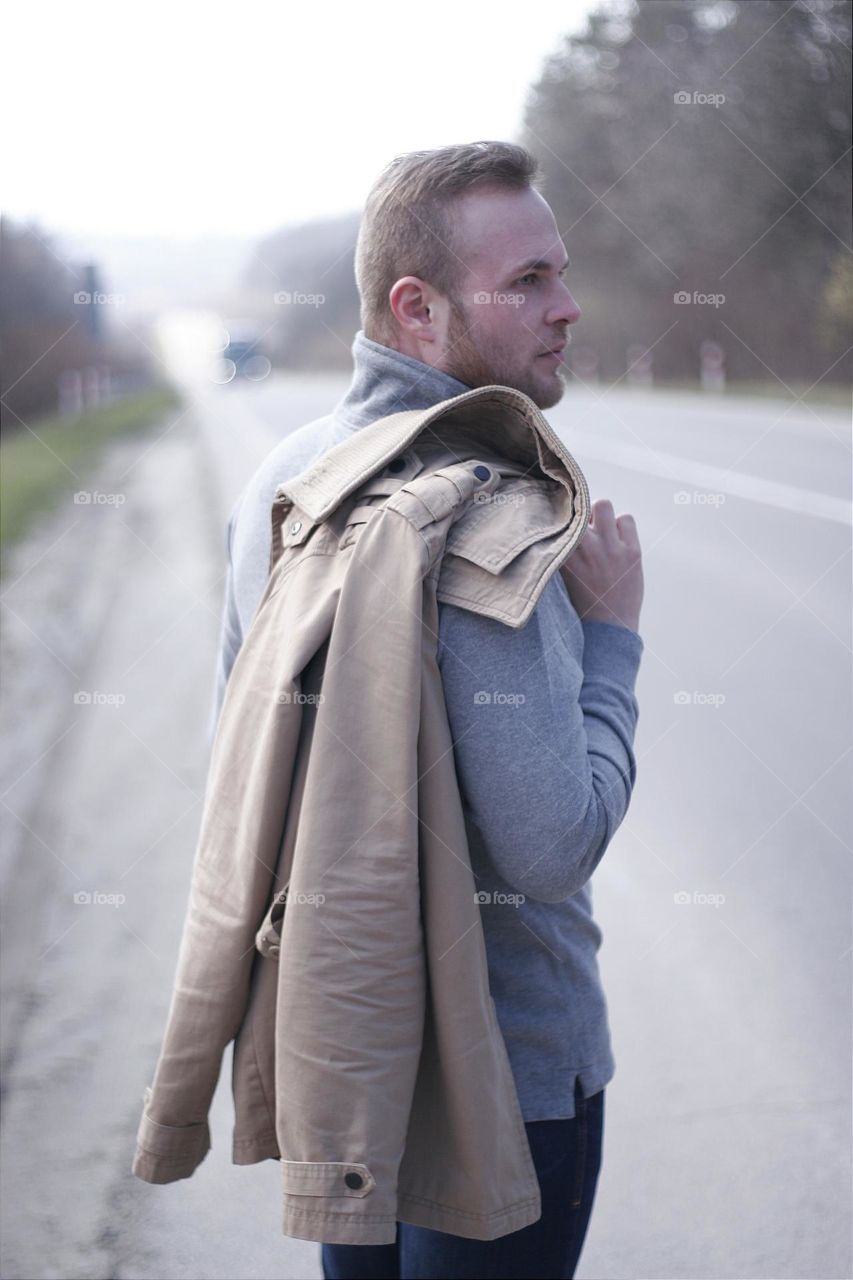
(386, 381)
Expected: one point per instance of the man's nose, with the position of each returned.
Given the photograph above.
(566, 310)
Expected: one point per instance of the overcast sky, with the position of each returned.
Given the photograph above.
(183, 118)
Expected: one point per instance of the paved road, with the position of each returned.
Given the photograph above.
(724, 899)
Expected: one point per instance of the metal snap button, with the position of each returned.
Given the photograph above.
(482, 473)
(296, 526)
(354, 1180)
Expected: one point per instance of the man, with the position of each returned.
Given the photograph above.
(460, 270)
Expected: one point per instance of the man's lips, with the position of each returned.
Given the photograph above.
(555, 353)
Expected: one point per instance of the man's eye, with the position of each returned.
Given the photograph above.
(530, 276)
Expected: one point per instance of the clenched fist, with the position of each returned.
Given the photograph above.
(604, 573)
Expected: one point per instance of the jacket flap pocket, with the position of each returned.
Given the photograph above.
(497, 527)
(326, 1178)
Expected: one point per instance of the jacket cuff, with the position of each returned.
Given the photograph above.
(336, 1202)
(166, 1152)
(611, 650)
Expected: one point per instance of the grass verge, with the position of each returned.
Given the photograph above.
(40, 462)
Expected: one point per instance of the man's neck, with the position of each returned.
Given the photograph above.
(386, 381)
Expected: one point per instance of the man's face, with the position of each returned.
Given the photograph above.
(514, 303)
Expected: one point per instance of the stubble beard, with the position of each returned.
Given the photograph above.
(477, 367)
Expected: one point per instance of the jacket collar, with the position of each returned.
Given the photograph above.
(499, 421)
(503, 552)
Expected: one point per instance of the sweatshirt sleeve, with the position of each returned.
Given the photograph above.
(543, 719)
(230, 635)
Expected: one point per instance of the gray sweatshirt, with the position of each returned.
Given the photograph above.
(543, 719)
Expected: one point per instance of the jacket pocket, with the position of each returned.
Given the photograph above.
(492, 532)
(326, 1178)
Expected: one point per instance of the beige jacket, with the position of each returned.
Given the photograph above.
(332, 930)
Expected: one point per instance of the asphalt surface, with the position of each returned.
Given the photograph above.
(724, 898)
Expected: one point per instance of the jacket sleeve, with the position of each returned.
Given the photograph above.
(232, 877)
(352, 971)
(543, 720)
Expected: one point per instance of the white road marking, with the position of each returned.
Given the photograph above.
(687, 471)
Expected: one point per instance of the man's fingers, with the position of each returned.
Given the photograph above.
(627, 527)
(605, 522)
(610, 528)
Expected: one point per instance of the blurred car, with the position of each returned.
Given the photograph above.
(243, 355)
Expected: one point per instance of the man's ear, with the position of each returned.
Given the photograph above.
(409, 300)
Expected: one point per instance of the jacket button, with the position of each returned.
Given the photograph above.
(274, 949)
(397, 464)
(482, 473)
(354, 1180)
(296, 526)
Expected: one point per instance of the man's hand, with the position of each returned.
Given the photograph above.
(604, 573)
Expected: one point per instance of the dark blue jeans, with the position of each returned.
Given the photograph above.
(567, 1156)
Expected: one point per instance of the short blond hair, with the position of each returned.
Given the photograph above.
(407, 225)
